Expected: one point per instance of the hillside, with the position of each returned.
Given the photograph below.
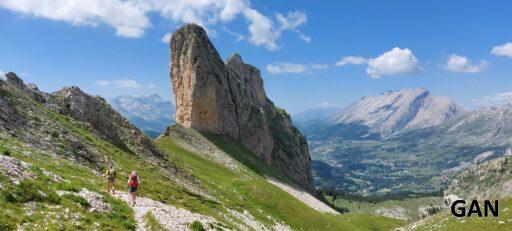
(446, 221)
(151, 113)
(53, 147)
(491, 179)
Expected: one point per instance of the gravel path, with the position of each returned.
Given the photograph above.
(168, 216)
(303, 196)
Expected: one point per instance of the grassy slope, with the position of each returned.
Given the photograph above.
(410, 205)
(247, 191)
(49, 210)
(445, 220)
(250, 191)
(161, 187)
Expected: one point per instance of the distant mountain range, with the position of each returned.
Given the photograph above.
(409, 140)
(397, 111)
(149, 113)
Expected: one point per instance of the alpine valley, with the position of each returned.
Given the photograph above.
(404, 142)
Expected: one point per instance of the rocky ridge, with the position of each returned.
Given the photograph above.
(396, 111)
(229, 98)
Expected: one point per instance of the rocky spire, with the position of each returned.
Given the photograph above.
(219, 98)
(200, 78)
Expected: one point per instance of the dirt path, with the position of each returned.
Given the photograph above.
(168, 216)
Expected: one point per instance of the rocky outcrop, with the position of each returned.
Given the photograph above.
(103, 120)
(229, 98)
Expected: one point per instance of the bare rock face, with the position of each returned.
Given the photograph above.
(200, 78)
(229, 98)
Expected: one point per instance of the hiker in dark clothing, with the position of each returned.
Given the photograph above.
(111, 179)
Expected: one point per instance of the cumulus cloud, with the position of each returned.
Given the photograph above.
(127, 17)
(130, 17)
(285, 67)
(354, 60)
(397, 61)
(461, 64)
(319, 66)
(262, 30)
(497, 100)
(503, 50)
(166, 38)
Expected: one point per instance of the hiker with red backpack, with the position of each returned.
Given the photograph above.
(133, 185)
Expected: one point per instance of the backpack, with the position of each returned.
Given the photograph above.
(111, 174)
(134, 181)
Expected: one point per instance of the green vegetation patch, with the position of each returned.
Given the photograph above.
(151, 223)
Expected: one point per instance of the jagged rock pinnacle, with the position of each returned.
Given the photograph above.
(229, 98)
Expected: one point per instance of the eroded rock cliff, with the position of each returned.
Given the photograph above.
(229, 98)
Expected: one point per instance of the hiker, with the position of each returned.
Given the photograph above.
(133, 185)
(111, 178)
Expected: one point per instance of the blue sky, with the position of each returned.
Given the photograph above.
(311, 53)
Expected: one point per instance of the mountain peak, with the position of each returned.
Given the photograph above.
(235, 59)
(396, 111)
(13, 79)
(191, 28)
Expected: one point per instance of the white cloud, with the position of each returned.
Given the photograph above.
(102, 82)
(166, 38)
(293, 20)
(127, 17)
(285, 67)
(503, 50)
(262, 30)
(397, 61)
(130, 17)
(152, 85)
(354, 60)
(461, 64)
(127, 83)
(497, 100)
(319, 66)
(238, 37)
(304, 37)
